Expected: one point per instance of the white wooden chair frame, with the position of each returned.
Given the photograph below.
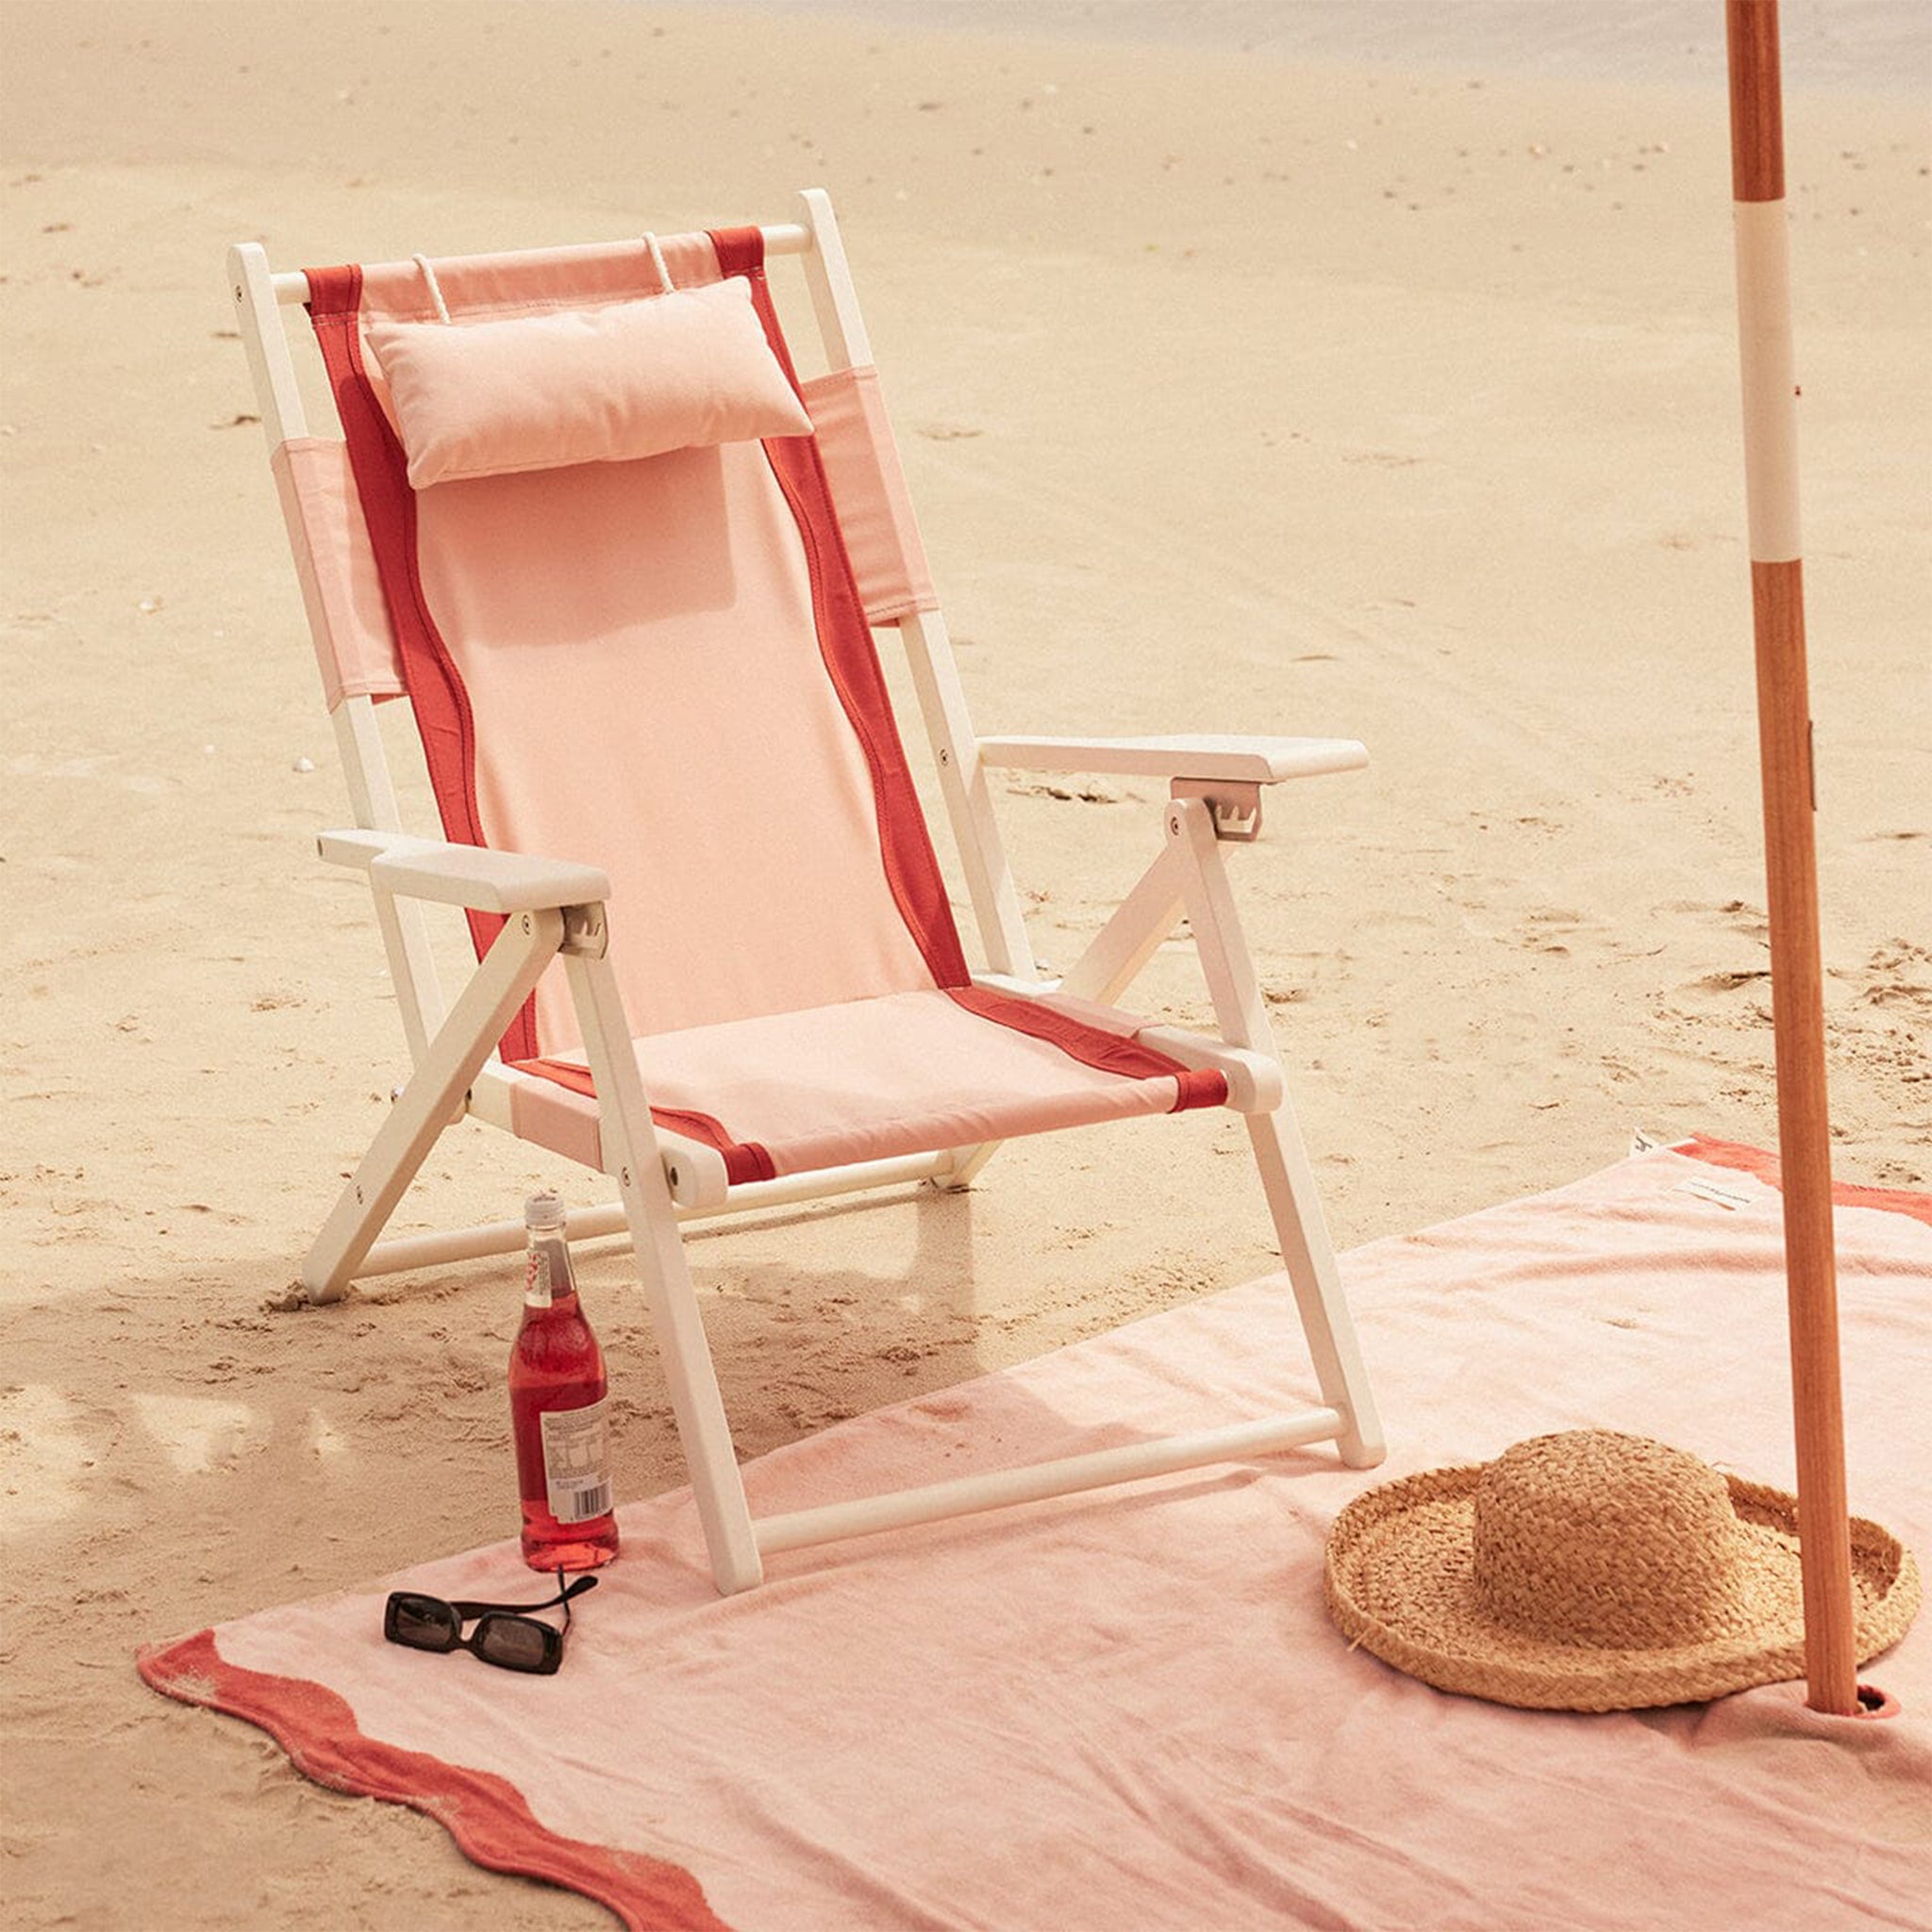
(558, 908)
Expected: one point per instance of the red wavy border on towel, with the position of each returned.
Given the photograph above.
(1769, 1169)
(484, 1814)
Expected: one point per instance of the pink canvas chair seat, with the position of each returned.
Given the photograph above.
(908, 1072)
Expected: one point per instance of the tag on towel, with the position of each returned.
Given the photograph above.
(1732, 1198)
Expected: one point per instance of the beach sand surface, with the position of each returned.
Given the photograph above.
(1237, 393)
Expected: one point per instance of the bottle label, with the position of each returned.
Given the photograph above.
(540, 1274)
(576, 1461)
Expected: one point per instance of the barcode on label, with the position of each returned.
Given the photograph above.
(580, 1506)
(576, 1460)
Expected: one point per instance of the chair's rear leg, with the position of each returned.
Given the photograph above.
(1288, 1180)
(630, 1145)
(434, 1095)
(1301, 1230)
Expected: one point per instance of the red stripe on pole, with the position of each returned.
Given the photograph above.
(1757, 137)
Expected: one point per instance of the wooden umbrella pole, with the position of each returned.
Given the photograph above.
(1784, 729)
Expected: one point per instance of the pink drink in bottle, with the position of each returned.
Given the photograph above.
(559, 1410)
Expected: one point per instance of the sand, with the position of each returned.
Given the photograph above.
(1236, 393)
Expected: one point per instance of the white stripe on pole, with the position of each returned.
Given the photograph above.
(1770, 379)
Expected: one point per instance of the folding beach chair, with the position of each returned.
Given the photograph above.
(627, 569)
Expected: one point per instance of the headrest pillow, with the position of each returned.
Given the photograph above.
(678, 371)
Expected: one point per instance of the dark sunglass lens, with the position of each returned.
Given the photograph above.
(517, 1643)
(421, 1623)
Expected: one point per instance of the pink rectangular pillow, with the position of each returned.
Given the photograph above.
(607, 385)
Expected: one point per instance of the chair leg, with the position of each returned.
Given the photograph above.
(1286, 1178)
(630, 1145)
(433, 1097)
(1309, 1255)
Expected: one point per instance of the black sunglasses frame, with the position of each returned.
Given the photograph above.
(431, 1617)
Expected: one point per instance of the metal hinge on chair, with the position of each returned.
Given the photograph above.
(1236, 806)
(586, 932)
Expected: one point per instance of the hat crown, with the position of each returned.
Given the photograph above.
(1615, 1541)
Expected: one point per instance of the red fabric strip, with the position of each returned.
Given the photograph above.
(745, 1161)
(911, 868)
(437, 697)
(1769, 1169)
(1093, 1046)
(487, 1815)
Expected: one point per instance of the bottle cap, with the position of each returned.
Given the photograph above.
(543, 1211)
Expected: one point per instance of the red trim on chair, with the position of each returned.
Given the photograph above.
(389, 509)
(911, 868)
(1093, 1046)
(745, 1161)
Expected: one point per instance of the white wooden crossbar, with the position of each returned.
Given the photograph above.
(999, 1489)
(407, 1252)
(784, 238)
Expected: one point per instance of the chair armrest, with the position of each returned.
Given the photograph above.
(1196, 756)
(471, 876)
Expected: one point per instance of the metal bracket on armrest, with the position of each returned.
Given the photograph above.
(1236, 806)
(586, 932)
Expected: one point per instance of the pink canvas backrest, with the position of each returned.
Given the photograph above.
(660, 666)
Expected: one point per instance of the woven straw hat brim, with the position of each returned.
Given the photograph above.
(1399, 1582)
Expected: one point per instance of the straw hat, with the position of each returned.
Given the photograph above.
(1592, 1570)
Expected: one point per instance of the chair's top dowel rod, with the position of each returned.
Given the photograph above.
(785, 238)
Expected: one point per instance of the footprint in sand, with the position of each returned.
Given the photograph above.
(1728, 982)
(1902, 977)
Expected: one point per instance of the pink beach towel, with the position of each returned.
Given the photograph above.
(1129, 1712)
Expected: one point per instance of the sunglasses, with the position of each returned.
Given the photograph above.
(504, 1635)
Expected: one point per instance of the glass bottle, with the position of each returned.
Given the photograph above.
(559, 1410)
